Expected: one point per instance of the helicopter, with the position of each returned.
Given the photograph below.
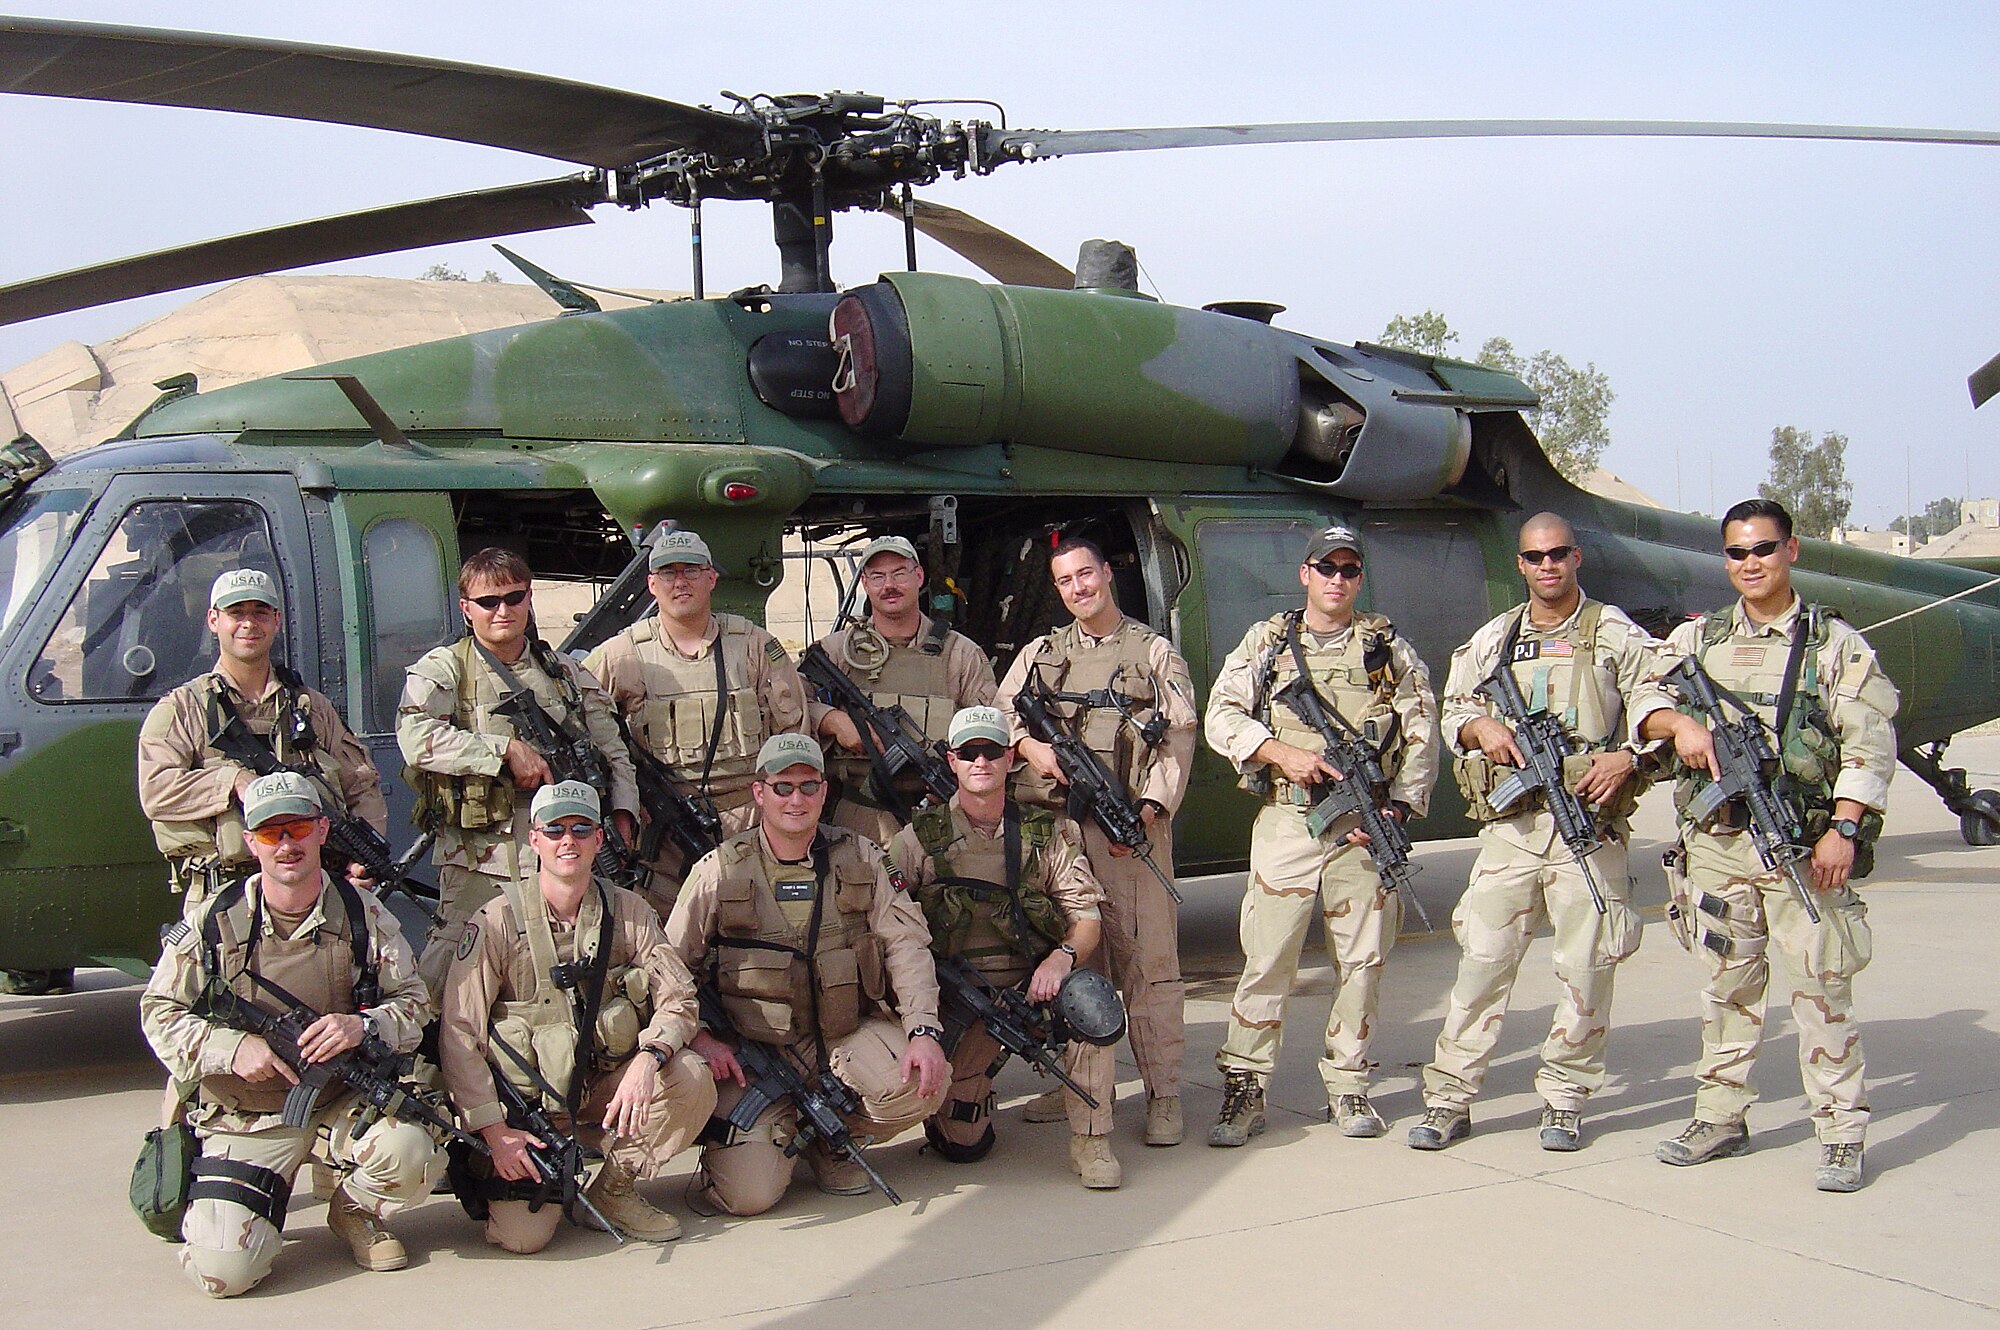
(1198, 447)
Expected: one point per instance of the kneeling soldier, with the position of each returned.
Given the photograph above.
(1006, 889)
(291, 935)
(807, 936)
(575, 976)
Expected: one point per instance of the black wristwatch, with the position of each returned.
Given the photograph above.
(660, 1055)
(1069, 950)
(1847, 827)
(930, 1030)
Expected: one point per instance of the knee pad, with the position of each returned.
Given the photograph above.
(954, 1151)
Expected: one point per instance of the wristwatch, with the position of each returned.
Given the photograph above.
(660, 1055)
(930, 1030)
(1847, 827)
(1067, 949)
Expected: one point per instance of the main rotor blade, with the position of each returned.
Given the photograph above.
(540, 206)
(1031, 143)
(1006, 258)
(1985, 383)
(568, 121)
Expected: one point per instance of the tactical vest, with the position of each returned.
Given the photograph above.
(681, 703)
(1122, 662)
(912, 676)
(1558, 674)
(1358, 679)
(327, 970)
(479, 803)
(541, 1023)
(287, 732)
(972, 911)
(773, 974)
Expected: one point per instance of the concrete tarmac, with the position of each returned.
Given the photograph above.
(1301, 1228)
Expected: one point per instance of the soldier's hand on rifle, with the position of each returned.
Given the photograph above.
(244, 776)
(526, 766)
(359, 877)
(1042, 758)
(256, 1063)
(628, 826)
(1048, 977)
(924, 1062)
(1494, 738)
(510, 1150)
(721, 1059)
(332, 1035)
(631, 1103)
(1607, 775)
(1149, 813)
(1300, 767)
(838, 726)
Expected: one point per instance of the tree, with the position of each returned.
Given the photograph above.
(1938, 517)
(439, 272)
(1810, 479)
(1571, 420)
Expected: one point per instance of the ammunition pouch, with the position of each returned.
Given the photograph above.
(627, 1008)
(161, 1178)
(462, 803)
(1485, 785)
(1818, 821)
(549, 1045)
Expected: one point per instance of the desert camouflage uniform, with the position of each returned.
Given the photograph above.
(386, 1164)
(1525, 877)
(1820, 961)
(1291, 870)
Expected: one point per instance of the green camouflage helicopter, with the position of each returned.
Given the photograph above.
(1197, 446)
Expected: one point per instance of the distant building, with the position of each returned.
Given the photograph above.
(1882, 542)
(1977, 536)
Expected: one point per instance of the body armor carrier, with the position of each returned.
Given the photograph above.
(1120, 718)
(479, 803)
(991, 904)
(911, 676)
(1359, 680)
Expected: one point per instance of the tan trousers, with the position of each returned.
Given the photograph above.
(1523, 880)
(228, 1249)
(679, 1109)
(1142, 954)
(749, 1173)
(1291, 871)
(967, 1110)
(1820, 962)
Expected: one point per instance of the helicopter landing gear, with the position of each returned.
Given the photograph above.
(1978, 810)
(36, 983)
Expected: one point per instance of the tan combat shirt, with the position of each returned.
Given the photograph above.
(493, 964)
(893, 916)
(1071, 884)
(1860, 699)
(1166, 771)
(1233, 728)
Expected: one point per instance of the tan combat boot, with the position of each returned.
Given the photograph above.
(1090, 1158)
(1242, 1113)
(1163, 1120)
(1046, 1108)
(374, 1247)
(835, 1176)
(613, 1194)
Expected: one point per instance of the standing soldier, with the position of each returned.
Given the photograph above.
(288, 933)
(1006, 889)
(624, 1075)
(899, 656)
(1592, 669)
(193, 793)
(1363, 669)
(1140, 719)
(701, 690)
(468, 766)
(811, 945)
(1827, 708)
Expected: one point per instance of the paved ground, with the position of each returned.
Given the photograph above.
(1304, 1228)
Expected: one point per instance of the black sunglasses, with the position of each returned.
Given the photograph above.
(1328, 568)
(1556, 552)
(1763, 549)
(557, 830)
(974, 749)
(492, 603)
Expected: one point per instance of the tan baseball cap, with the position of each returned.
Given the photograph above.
(244, 584)
(888, 545)
(280, 794)
(565, 798)
(679, 547)
(979, 723)
(789, 750)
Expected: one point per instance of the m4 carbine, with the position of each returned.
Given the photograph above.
(1094, 792)
(1022, 1028)
(574, 757)
(1746, 762)
(1544, 743)
(893, 742)
(562, 1161)
(689, 821)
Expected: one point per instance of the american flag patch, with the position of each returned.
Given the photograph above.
(1747, 654)
(1562, 649)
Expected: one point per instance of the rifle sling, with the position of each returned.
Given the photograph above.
(1298, 650)
(366, 978)
(721, 709)
(1788, 691)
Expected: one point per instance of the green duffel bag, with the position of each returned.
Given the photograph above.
(161, 1177)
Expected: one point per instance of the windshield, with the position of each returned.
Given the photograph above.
(37, 530)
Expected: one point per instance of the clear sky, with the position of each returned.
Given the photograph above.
(1725, 287)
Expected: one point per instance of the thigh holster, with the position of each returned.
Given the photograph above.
(259, 1190)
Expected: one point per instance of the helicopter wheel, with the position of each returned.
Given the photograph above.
(36, 983)
(1982, 825)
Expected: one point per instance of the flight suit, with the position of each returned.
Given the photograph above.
(499, 981)
(1141, 928)
(731, 922)
(1379, 684)
(384, 1164)
(1597, 672)
(446, 727)
(1057, 890)
(932, 677)
(1761, 913)
(188, 788)
(671, 702)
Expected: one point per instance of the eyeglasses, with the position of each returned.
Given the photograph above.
(1559, 553)
(276, 833)
(975, 750)
(1763, 549)
(491, 603)
(883, 576)
(1328, 568)
(678, 572)
(557, 830)
(784, 789)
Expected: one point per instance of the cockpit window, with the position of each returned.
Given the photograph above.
(139, 623)
(406, 596)
(36, 533)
